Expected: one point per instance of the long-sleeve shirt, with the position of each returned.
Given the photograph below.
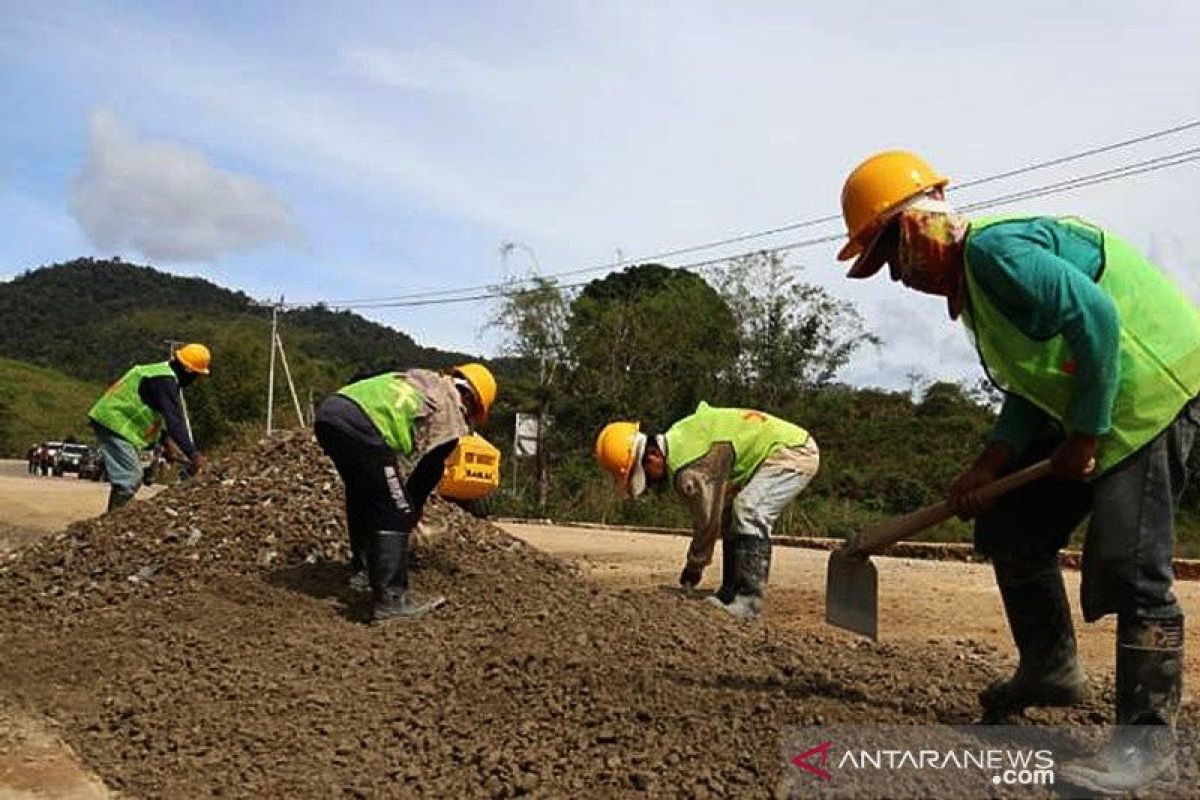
(163, 395)
(1041, 274)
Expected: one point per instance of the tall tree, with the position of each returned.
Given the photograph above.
(647, 343)
(793, 336)
(532, 316)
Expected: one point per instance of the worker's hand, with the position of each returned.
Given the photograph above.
(963, 495)
(197, 463)
(690, 577)
(1075, 458)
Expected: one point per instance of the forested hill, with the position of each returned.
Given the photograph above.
(92, 318)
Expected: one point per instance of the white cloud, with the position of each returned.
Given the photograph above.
(167, 202)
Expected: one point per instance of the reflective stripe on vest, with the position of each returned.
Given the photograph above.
(392, 404)
(753, 434)
(121, 410)
(1159, 348)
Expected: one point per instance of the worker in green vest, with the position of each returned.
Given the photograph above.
(1098, 354)
(143, 407)
(737, 469)
(389, 436)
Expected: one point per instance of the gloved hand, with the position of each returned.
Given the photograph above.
(1075, 458)
(197, 463)
(690, 577)
(962, 497)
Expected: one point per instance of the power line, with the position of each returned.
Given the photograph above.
(1104, 176)
(1149, 165)
(473, 292)
(1054, 162)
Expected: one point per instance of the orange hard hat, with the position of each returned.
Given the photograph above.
(876, 189)
(483, 386)
(195, 357)
(619, 449)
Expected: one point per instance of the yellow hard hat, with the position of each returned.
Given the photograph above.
(619, 449)
(875, 189)
(195, 357)
(483, 385)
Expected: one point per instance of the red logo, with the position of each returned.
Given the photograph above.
(822, 750)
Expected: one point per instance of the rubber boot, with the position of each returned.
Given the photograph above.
(752, 561)
(1142, 750)
(388, 570)
(728, 570)
(118, 496)
(1049, 672)
(359, 543)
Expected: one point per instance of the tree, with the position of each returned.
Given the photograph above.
(793, 336)
(533, 320)
(647, 343)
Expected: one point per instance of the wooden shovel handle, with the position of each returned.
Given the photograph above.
(893, 530)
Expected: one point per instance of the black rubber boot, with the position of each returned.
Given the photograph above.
(728, 570)
(360, 541)
(1049, 672)
(1142, 750)
(752, 566)
(388, 570)
(118, 496)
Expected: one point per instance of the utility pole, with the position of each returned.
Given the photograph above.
(277, 347)
(271, 369)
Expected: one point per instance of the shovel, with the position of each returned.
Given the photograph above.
(851, 582)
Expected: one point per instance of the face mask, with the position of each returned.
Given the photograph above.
(927, 254)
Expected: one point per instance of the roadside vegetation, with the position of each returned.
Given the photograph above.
(647, 343)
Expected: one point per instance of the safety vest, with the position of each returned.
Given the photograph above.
(753, 435)
(121, 410)
(1159, 348)
(392, 404)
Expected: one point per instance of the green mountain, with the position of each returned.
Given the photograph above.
(91, 319)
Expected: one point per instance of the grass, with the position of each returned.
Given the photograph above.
(38, 404)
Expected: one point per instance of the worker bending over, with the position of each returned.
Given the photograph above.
(737, 469)
(389, 436)
(1098, 354)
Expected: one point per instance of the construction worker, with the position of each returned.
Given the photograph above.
(145, 404)
(1098, 354)
(389, 436)
(737, 469)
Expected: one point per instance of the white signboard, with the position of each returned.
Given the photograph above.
(525, 437)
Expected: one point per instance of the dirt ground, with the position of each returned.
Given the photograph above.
(920, 601)
(204, 643)
(30, 504)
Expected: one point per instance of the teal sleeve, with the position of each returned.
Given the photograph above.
(1045, 293)
(1018, 422)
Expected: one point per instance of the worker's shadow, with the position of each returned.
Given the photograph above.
(324, 580)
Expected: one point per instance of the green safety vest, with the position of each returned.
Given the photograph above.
(753, 434)
(121, 410)
(1159, 348)
(392, 404)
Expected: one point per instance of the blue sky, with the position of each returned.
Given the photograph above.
(369, 149)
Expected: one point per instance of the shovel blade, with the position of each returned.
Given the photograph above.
(852, 594)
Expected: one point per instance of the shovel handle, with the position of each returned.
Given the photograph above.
(893, 530)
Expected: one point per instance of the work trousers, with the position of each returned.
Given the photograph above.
(1130, 539)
